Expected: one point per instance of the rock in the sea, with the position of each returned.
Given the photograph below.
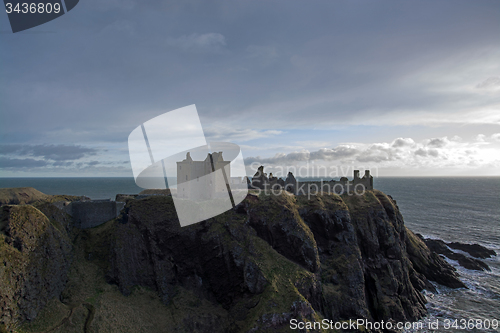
(474, 250)
(442, 248)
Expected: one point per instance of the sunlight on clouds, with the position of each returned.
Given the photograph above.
(495, 137)
(433, 156)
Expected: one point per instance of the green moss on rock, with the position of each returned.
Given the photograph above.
(34, 256)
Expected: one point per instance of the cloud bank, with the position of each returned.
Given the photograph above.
(402, 153)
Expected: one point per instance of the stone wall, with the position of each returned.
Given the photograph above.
(89, 214)
(261, 181)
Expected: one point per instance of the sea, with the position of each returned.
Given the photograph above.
(462, 209)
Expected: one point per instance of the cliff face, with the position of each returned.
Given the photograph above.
(35, 255)
(277, 258)
(251, 269)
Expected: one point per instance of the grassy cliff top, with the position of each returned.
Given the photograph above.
(156, 191)
(29, 195)
(21, 195)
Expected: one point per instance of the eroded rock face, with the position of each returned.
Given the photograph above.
(381, 237)
(209, 258)
(430, 265)
(283, 229)
(34, 259)
(328, 257)
(269, 260)
(365, 267)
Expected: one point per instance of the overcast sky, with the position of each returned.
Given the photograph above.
(404, 88)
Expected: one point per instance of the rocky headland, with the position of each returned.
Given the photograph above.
(251, 269)
(471, 261)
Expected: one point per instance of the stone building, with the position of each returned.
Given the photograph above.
(91, 213)
(208, 183)
(261, 181)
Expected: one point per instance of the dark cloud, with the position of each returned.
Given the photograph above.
(49, 152)
(438, 142)
(281, 158)
(427, 152)
(403, 142)
(379, 152)
(14, 149)
(62, 164)
(490, 82)
(325, 154)
(238, 134)
(373, 157)
(339, 152)
(251, 67)
(345, 61)
(21, 163)
(421, 152)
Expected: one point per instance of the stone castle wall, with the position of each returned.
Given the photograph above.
(261, 181)
(200, 180)
(89, 214)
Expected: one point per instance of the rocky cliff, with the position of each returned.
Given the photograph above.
(35, 255)
(251, 269)
(280, 257)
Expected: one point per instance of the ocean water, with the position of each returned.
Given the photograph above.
(460, 209)
(94, 188)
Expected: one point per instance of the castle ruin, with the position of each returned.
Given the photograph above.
(214, 183)
(91, 213)
(262, 182)
(207, 179)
